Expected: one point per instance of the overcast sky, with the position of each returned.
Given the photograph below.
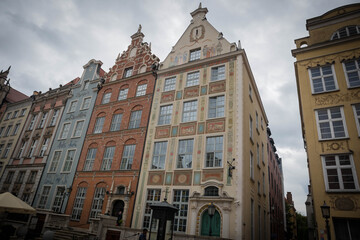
(47, 43)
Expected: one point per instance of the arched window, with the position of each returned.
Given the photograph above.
(346, 32)
(211, 191)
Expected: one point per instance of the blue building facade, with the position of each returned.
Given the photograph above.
(55, 184)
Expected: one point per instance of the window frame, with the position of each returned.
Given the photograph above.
(90, 159)
(159, 155)
(166, 115)
(153, 195)
(127, 157)
(188, 115)
(213, 165)
(106, 98)
(141, 90)
(357, 70)
(68, 163)
(97, 202)
(170, 84)
(54, 117)
(128, 72)
(78, 203)
(16, 129)
(357, 116)
(108, 158)
(64, 132)
(87, 106)
(330, 121)
(75, 130)
(216, 105)
(99, 125)
(116, 122)
(181, 201)
(44, 197)
(192, 81)
(123, 93)
(135, 119)
(54, 164)
(44, 146)
(195, 54)
(43, 120)
(186, 152)
(322, 78)
(56, 204)
(212, 78)
(72, 106)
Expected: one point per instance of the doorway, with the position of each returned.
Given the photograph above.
(215, 224)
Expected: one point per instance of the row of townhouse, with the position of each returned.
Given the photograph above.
(191, 130)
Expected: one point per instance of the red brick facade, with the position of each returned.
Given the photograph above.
(120, 183)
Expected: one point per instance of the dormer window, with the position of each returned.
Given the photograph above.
(211, 191)
(346, 32)
(195, 54)
(128, 72)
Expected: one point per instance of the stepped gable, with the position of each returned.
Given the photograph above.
(138, 55)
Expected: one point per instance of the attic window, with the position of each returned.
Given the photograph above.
(346, 32)
(128, 72)
(195, 54)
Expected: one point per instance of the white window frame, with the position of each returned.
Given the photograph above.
(90, 159)
(58, 198)
(321, 77)
(135, 119)
(123, 93)
(165, 113)
(127, 157)
(65, 130)
(331, 121)
(338, 167)
(22, 113)
(86, 103)
(32, 148)
(190, 114)
(8, 130)
(153, 195)
(159, 155)
(54, 117)
(258, 154)
(15, 114)
(16, 129)
(251, 157)
(43, 120)
(55, 161)
(128, 72)
(187, 151)
(213, 150)
(116, 122)
(44, 196)
(99, 124)
(32, 122)
(356, 108)
(78, 203)
(215, 76)
(195, 54)
(97, 203)
(181, 201)
(193, 79)
(68, 162)
(141, 90)
(108, 158)
(170, 84)
(77, 132)
(106, 98)
(251, 127)
(218, 106)
(72, 106)
(44, 147)
(354, 71)
(7, 117)
(21, 150)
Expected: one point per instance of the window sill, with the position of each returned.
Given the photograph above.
(342, 191)
(333, 139)
(335, 90)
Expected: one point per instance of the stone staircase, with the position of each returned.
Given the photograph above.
(71, 234)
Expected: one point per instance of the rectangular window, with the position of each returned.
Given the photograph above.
(262, 153)
(346, 228)
(7, 150)
(216, 107)
(190, 111)
(352, 69)
(159, 155)
(192, 79)
(65, 130)
(1, 130)
(322, 79)
(26, 198)
(116, 122)
(21, 150)
(86, 103)
(54, 118)
(128, 72)
(181, 201)
(251, 127)
(258, 154)
(99, 124)
(331, 123)
(135, 119)
(218, 73)
(90, 158)
(263, 182)
(22, 113)
(98, 201)
(170, 84)
(69, 159)
(15, 114)
(7, 117)
(141, 90)
(250, 92)
(20, 177)
(16, 129)
(153, 196)
(44, 147)
(78, 203)
(356, 108)
(32, 122)
(72, 106)
(78, 128)
(108, 158)
(195, 54)
(185, 152)
(214, 151)
(106, 98)
(42, 120)
(7, 132)
(127, 157)
(32, 177)
(55, 161)
(165, 115)
(44, 197)
(257, 120)
(251, 165)
(123, 94)
(339, 173)
(9, 177)
(58, 199)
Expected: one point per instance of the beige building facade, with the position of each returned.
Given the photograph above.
(327, 70)
(206, 140)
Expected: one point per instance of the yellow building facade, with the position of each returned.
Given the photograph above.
(206, 140)
(327, 71)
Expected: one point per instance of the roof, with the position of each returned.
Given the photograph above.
(74, 81)
(15, 96)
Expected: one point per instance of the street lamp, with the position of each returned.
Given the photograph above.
(325, 211)
(211, 212)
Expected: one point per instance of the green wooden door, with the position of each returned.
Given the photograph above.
(215, 224)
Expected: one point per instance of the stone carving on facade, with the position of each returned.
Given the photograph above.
(337, 98)
(344, 204)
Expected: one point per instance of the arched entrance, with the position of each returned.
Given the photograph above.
(215, 224)
(117, 206)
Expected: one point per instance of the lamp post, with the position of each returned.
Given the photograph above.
(211, 212)
(325, 211)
